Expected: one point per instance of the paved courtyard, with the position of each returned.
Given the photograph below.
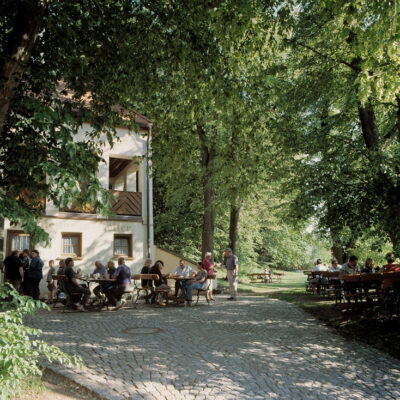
(254, 348)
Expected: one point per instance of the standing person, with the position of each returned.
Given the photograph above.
(209, 267)
(13, 271)
(199, 282)
(182, 271)
(35, 274)
(122, 276)
(232, 272)
(72, 285)
(26, 261)
(50, 282)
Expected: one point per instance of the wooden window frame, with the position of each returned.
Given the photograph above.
(130, 246)
(74, 234)
(10, 235)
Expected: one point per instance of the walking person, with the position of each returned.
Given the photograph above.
(232, 273)
(35, 274)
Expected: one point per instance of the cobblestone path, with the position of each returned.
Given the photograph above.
(254, 348)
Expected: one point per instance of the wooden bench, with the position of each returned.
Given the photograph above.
(68, 302)
(263, 276)
(138, 289)
(278, 276)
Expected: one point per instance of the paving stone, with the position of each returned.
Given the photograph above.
(254, 348)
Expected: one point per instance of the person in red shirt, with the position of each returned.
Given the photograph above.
(391, 266)
(209, 267)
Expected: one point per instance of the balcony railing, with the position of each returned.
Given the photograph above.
(126, 203)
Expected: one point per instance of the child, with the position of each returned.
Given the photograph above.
(50, 282)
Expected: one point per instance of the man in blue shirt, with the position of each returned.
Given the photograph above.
(122, 276)
(99, 269)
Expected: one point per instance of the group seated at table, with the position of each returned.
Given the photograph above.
(354, 280)
(116, 283)
(182, 271)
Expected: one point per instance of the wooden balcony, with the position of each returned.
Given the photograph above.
(126, 203)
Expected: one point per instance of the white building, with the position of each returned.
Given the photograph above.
(88, 237)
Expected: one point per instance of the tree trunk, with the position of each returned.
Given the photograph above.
(17, 52)
(368, 124)
(234, 228)
(351, 245)
(208, 151)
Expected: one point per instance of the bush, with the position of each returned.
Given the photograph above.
(20, 348)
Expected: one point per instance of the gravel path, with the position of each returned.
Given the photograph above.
(254, 348)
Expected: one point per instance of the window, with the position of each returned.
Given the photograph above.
(123, 246)
(71, 244)
(18, 240)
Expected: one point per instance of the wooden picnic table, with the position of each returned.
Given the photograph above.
(278, 276)
(265, 277)
(180, 278)
(391, 275)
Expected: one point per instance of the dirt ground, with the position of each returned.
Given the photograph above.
(56, 387)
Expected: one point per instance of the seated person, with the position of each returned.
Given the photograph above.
(351, 267)
(335, 266)
(182, 271)
(106, 286)
(146, 283)
(391, 266)
(99, 269)
(199, 282)
(369, 268)
(316, 280)
(72, 285)
(122, 277)
(161, 282)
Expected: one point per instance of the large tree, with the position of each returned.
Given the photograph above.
(199, 73)
(61, 63)
(343, 84)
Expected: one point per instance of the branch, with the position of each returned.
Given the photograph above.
(326, 56)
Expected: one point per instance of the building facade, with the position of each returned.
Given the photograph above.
(86, 236)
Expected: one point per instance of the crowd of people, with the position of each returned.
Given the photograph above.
(25, 271)
(352, 266)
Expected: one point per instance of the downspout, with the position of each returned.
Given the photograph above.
(148, 190)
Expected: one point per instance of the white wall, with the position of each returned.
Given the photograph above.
(97, 242)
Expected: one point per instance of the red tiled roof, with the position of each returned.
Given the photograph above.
(67, 94)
